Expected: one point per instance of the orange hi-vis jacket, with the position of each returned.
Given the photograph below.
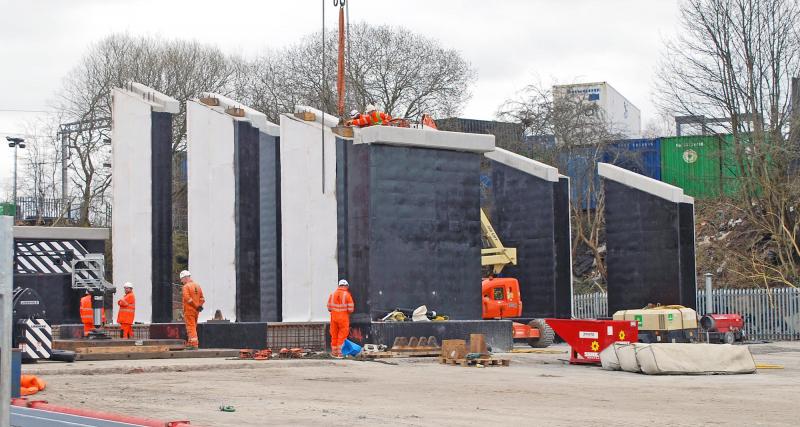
(373, 118)
(127, 309)
(340, 301)
(87, 316)
(192, 297)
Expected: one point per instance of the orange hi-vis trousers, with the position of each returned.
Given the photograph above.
(340, 329)
(127, 330)
(190, 318)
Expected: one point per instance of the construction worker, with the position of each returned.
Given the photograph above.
(193, 301)
(371, 117)
(87, 314)
(340, 305)
(127, 311)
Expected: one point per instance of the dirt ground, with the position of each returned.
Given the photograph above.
(537, 389)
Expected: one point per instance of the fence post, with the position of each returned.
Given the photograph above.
(709, 303)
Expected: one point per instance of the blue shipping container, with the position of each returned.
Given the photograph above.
(580, 165)
(642, 156)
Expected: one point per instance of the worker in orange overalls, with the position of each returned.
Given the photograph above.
(193, 301)
(340, 305)
(87, 316)
(371, 117)
(127, 311)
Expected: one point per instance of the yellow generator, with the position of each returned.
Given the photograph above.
(667, 323)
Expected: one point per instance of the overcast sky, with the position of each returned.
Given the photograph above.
(509, 43)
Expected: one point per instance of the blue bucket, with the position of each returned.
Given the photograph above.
(350, 348)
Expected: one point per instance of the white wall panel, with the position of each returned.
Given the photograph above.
(308, 218)
(132, 214)
(211, 204)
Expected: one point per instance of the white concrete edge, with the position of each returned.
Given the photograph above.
(641, 182)
(61, 233)
(160, 102)
(524, 164)
(329, 120)
(255, 117)
(457, 141)
(688, 199)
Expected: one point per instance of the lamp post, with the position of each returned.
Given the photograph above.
(15, 143)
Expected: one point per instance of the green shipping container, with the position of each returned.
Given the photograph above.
(704, 166)
(7, 209)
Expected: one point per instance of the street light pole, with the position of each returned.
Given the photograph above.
(15, 143)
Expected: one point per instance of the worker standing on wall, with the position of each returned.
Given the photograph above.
(340, 305)
(193, 301)
(371, 117)
(127, 311)
(87, 315)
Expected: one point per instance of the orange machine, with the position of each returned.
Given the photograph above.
(501, 297)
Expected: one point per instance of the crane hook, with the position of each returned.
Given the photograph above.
(338, 3)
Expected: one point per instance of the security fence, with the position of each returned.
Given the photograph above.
(769, 314)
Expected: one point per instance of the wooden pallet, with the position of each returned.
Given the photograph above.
(485, 361)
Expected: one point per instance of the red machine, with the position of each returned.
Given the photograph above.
(723, 328)
(588, 337)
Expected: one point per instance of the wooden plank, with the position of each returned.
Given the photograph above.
(122, 349)
(72, 344)
(184, 354)
(306, 115)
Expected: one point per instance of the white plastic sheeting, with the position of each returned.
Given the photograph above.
(132, 192)
(308, 219)
(211, 205)
(679, 359)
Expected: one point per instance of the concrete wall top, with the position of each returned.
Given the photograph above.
(524, 164)
(255, 117)
(61, 233)
(160, 103)
(643, 183)
(457, 141)
(329, 120)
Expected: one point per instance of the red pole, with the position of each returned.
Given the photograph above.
(146, 422)
(340, 75)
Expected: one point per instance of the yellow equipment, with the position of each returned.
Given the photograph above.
(663, 323)
(496, 256)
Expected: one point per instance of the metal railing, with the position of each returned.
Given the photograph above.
(769, 314)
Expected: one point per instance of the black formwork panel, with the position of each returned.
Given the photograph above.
(343, 148)
(498, 333)
(247, 211)
(644, 255)
(252, 335)
(412, 229)
(532, 215)
(270, 228)
(161, 211)
(563, 248)
(687, 258)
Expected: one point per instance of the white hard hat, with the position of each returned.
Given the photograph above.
(371, 107)
(344, 283)
(128, 285)
(185, 274)
(354, 114)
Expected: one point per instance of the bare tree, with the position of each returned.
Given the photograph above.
(181, 69)
(580, 132)
(405, 73)
(735, 59)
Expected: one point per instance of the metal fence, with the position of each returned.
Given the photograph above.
(769, 314)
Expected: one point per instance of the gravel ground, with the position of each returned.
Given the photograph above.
(537, 389)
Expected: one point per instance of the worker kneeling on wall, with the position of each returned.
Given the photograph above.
(193, 301)
(127, 311)
(340, 305)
